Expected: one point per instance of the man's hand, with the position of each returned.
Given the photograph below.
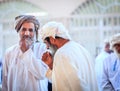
(47, 58)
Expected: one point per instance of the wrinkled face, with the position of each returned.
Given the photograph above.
(27, 31)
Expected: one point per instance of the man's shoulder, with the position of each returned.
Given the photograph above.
(112, 55)
(12, 48)
(102, 55)
(110, 58)
(39, 44)
(68, 48)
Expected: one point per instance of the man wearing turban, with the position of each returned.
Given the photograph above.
(73, 68)
(99, 61)
(23, 69)
(111, 67)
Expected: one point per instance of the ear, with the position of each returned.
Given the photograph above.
(52, 40)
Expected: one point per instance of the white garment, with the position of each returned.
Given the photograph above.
(1, 75)
(73, 69)
(111, 74)
(23, 71)
(99, 65)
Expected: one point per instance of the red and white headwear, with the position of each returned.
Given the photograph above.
(19, 20)
(54, 29)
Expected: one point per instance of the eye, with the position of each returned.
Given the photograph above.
(24, 29)
(31, 30)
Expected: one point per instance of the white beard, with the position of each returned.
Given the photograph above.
(52, 50)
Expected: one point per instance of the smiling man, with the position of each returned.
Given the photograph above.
(23, 69)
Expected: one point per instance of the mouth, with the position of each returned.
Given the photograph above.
(27, 38)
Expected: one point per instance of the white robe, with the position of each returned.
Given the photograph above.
(23, 71)
(73, 69)
(99, 65)
(111, 74)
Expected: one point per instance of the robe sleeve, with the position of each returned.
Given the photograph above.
(105, 83)
(5, 72)
(35, 66)
(49, 75)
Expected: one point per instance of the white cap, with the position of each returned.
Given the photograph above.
(54, 29)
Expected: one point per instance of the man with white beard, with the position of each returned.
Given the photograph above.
(111, 67)
(23, 69)
(73, 68)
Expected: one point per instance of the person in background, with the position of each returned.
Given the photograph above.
(99, 61)
(73, 67)
(111, 67)
(23, 69)
(0, 69)
(0, 72)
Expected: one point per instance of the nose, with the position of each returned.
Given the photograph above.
(27, 32)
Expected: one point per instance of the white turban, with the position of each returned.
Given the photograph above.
(54, 29)
(115, 39)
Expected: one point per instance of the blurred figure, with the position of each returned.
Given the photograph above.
(0, 69)
(0, 72)
(99, 61)
(23, 69)
(73, 68)
(111, 67)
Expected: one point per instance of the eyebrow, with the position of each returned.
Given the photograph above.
(28, 28)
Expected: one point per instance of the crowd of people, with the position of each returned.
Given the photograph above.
(57, 63)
